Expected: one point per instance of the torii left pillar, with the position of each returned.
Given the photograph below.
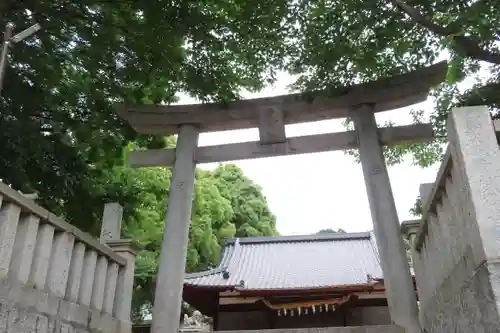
(172, 263)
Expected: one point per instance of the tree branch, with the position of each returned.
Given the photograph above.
(468, 45)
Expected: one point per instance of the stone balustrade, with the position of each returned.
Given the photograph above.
(455, 246)
(56, 278)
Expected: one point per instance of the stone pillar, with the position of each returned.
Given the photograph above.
(75, 272)
(41, 256)
(9, 219)
(475, 151)
(475, 146)
(172, 263)
(24, 248)
(60, 262)
(87, 278)
(397, 279)
(125, 283)
(425, 192)
(100, 277)
(111, 222)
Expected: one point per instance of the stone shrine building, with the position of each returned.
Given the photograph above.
(325, 280)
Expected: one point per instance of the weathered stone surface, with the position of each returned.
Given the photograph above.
(25, 309)
(456, 263)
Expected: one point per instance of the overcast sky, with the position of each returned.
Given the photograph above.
(324, 190)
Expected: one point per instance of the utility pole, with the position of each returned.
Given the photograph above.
(8, 39)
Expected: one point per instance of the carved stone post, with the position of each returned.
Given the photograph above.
(397, 279)
(111, 222)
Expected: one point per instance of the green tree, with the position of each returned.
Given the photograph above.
(252, 216)
(59, 131)
(330, 231)
(340, 43)
(216, 216)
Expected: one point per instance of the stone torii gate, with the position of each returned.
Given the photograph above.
(270, 115)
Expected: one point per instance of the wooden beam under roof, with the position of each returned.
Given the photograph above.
(292, 146)
(386, 94)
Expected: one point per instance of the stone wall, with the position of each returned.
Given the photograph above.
(55, 278)
(455, 245)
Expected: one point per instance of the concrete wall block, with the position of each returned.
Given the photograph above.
(47, 304)
(13, 319)
(42, 324)
(29, 297)
(53, 325)
(9, 219)
(486, 282)
(95, 320)
(74, 313)
(124, 326)
(108, 324)
(456, 305)
(66, 328)
(27, 323)
(4, 315)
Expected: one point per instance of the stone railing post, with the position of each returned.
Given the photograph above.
(125, 283)
(117, 297)
(111, 222)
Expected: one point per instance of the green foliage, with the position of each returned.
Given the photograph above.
(417, 208)
(58, 126)
(60, 133)
(226, 204)
(330, 231)
(347, 42)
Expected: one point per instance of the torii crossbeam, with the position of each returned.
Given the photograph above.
(270, 115)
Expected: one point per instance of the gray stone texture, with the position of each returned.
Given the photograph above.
(111, 222)
(172, 261)
(457, 268)
(400, 291)
(55, 278)
(9, 218)
(24, 309)
(24, 248)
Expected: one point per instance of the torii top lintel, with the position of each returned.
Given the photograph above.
(385, 94)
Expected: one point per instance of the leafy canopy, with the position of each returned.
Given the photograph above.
(226, 204)
(58, 128)
(346, 42)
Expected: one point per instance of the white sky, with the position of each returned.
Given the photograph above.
(323, 190)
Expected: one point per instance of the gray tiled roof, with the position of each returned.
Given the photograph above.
(293, 262)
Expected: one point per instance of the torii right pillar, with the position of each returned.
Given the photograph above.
(397, 278)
